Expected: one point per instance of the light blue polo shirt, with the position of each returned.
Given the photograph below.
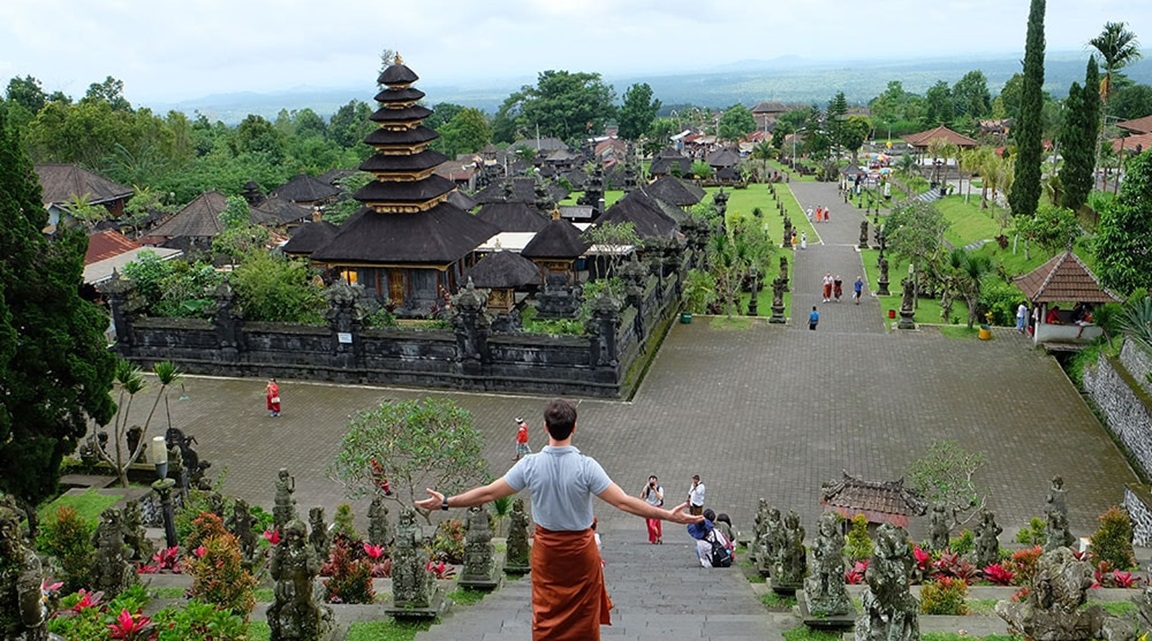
(562, 482)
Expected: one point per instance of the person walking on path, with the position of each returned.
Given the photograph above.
(803, 240)
(826, 216)
(653, 494)
(827, 289)
(809, 212)
(813, 319)
(858, 289)
(569, 598)
(696, 496)
(795, 240)
(522, 448)
(272, 397)
(1021, 317)
(837, 288)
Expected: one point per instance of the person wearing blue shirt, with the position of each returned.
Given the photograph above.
(813, 319)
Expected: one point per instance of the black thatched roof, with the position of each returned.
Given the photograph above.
(512, 216)
(281, 211)
(385, 137)
(463, 201)
(418, 191)
(408, 94)
(728, 174)
(726, 157)
(645, 214)
(403, 114)
(334, 176)
(305, 189)
(664, 164)
(502, 270)
(309, 237)
(523, 191)
(397, 74)
(675, 191)
(199, 218)
(558, 239)
(426, 159)
(439, 236)
(60, 183)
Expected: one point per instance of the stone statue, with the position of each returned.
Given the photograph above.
(319, 538)
(863, 244)
(516, 554)
(176, 470)
(479, 565)
(411, 582)
(771, 543)
(1053, 611)
(285, 508)
(891, 613)
(790, 560)
(1057, 497)
(987, 540)
(1056, 532)
(379, 531)
(242, 524)
(134, 534)
(111, 571)
(941, 529)
(824, 589)
(216, 504)
(758, 526)
(23, 613)
(295, 614)
(909, 292)
(882, 282)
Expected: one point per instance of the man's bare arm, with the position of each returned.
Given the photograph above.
(617, 498)
(475, 496)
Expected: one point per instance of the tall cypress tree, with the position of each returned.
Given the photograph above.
(55, 369)
(1093, 106)
(1078, 138)
(1025, 195)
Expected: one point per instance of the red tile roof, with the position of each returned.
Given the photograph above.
(107, 244)
(922, 138)
(1064, 278)
(880, 501)
(1139, 125)
(1131, 143)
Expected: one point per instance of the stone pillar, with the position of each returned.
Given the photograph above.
(863, 234)
(471, 326)
(117, 290)
(344, 326)
(778, 286)
(602, 330)
(226, 323)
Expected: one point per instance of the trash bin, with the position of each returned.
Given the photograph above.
(891, 313)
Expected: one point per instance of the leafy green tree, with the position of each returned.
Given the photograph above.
(1124, 234)
(1025, 193)
(442, 113)
(736, 122)
(915, 232)
(963, 272)
(1007, 104)
(350, 125)
(638, 111)
(55, 370)
(852, 133)
(1118, 47)
(467, 132)
(240, 237)
(26, 92)
(940, 104)
(701, 170)
(129, 383)
(110, 91)
(1131, 102)
(172, 288)
(275, 289)
(1052, 229)
(970, 95)
(255, 134)
(414, 444)
(945, 474)
(1078, 137)
(569, 106)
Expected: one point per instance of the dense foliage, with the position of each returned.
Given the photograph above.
(1124, 234)
(1025, 193)
(638, 111)
(1077, 139)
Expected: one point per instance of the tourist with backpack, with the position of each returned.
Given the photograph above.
(713, 549)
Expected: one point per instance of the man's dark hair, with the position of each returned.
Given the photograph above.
(710, 515)
(560, 418)
(724, 518)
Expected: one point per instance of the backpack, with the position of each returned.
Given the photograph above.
(721, 556)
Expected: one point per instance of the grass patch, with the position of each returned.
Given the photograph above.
(959, 332)
(1118, 608)
(461, 596)
(981, 607)
(804, 633)
(263, 595)
(967, 222)
(385, 630)
(88, 505)
(168, 593)
(733, 323)
(259, 631)
(778, 602)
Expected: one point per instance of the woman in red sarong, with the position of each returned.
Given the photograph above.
(272, 396)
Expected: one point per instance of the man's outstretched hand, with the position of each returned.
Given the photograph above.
(679, 514)
(433, 502)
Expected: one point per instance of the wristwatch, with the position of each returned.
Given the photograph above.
(444, 504)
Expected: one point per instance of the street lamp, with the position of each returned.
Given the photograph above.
(163, 487)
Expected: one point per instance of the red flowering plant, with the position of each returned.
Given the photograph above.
(441, 570)
(1024, 563)
(855, 574)
(87, 600)
(166, 560)
(378, 558)
(951, 564)
(272, 536)
(350, 579)
(131, 627)
(923, 566)
(219, 576)
(998, 574)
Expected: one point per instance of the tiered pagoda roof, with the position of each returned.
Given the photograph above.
(406, 218)
(675, 191)
(559, 239)
(513, 216)
(309, 237)
(649, 216)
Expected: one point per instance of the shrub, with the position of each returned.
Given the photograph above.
(84, 616)
(205, 526)
(1112, 542)
(1000, 298)
(448, 542)
(197, 621)
(218, 573)
(997, 574)
(1034, 534)
(963, 544)
(944, 596)
(857, 544)
(195, 503)
(1024, 563)
(344, 522)
(68, 538)
(351, 579)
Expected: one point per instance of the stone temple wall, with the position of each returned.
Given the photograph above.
(1136, 356)
(1139, 505)
(1126, 406)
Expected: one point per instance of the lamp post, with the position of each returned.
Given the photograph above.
(163, 487)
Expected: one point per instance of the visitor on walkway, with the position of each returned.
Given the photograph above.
(696, 496)
(827, 287)
(809, 212)
(813, 319)
(522, 448)
(724, 523)
(653, 494)
(857, 289)
(272, 397)
(795, 240)
(826, 216)
(704, 533)
(803, 240)
(569, 599)
(819, 214)
(837, 287)
(1021, 317)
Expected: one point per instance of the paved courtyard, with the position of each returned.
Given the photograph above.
(769, 411)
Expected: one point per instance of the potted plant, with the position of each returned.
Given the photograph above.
(698, 291)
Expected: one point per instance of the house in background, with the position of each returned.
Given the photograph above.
(63, 183)
(109, 251)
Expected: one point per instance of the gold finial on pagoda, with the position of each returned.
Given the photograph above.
(397, 60)
(555, 213)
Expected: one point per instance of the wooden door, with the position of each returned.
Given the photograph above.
(396, 286)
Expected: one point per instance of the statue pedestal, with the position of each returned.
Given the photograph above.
(437, 606)
(517, 570)
(777, 315)
(486, 583)
(785, 588)
(906, 319)
(883, 289)
(824, 621)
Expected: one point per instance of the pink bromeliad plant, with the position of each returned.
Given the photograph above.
(855, 574)
(998, 574)
(131, 627)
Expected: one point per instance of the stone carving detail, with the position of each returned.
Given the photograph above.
(759, 524)
(987, 540)
(295, 614)
(1057, 531)
(379, 530)
(134, 534)
(284, 509)
(771, 542)
(111, 571)
(23, 615)
(319, 538)
(479, 564)
(790, 564)
(1053, 611)
(411, 582)
(940, 528)
(516, 555)
(891, 613)
(242, 524)
(824, 588)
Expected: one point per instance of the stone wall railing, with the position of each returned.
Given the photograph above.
(1138, 502)
(1125, 404)
(1136, 355)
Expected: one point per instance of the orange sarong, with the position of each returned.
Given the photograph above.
(569, 600)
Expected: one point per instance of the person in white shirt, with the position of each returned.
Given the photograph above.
(696, 496)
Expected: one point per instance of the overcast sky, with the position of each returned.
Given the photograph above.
(169, 51)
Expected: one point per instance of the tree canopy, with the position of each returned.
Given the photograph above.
(736, 122)
(565, 105)
(1025, 193)
(1124, 234)
(638, 112)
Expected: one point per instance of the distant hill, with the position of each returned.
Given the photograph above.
(788, 79)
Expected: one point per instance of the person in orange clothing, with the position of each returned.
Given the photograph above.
(272, 397)
(522, 448)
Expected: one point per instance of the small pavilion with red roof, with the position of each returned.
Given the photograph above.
(1063, 279)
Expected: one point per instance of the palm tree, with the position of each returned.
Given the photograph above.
(1118, 47)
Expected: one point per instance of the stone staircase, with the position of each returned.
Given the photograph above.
(660, 592)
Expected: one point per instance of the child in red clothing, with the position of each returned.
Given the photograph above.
(522, 448)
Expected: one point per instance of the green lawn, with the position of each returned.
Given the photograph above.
(967, 222)
(927, 309)
(88, 505)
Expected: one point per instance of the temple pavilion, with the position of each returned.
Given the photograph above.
(408, 244)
